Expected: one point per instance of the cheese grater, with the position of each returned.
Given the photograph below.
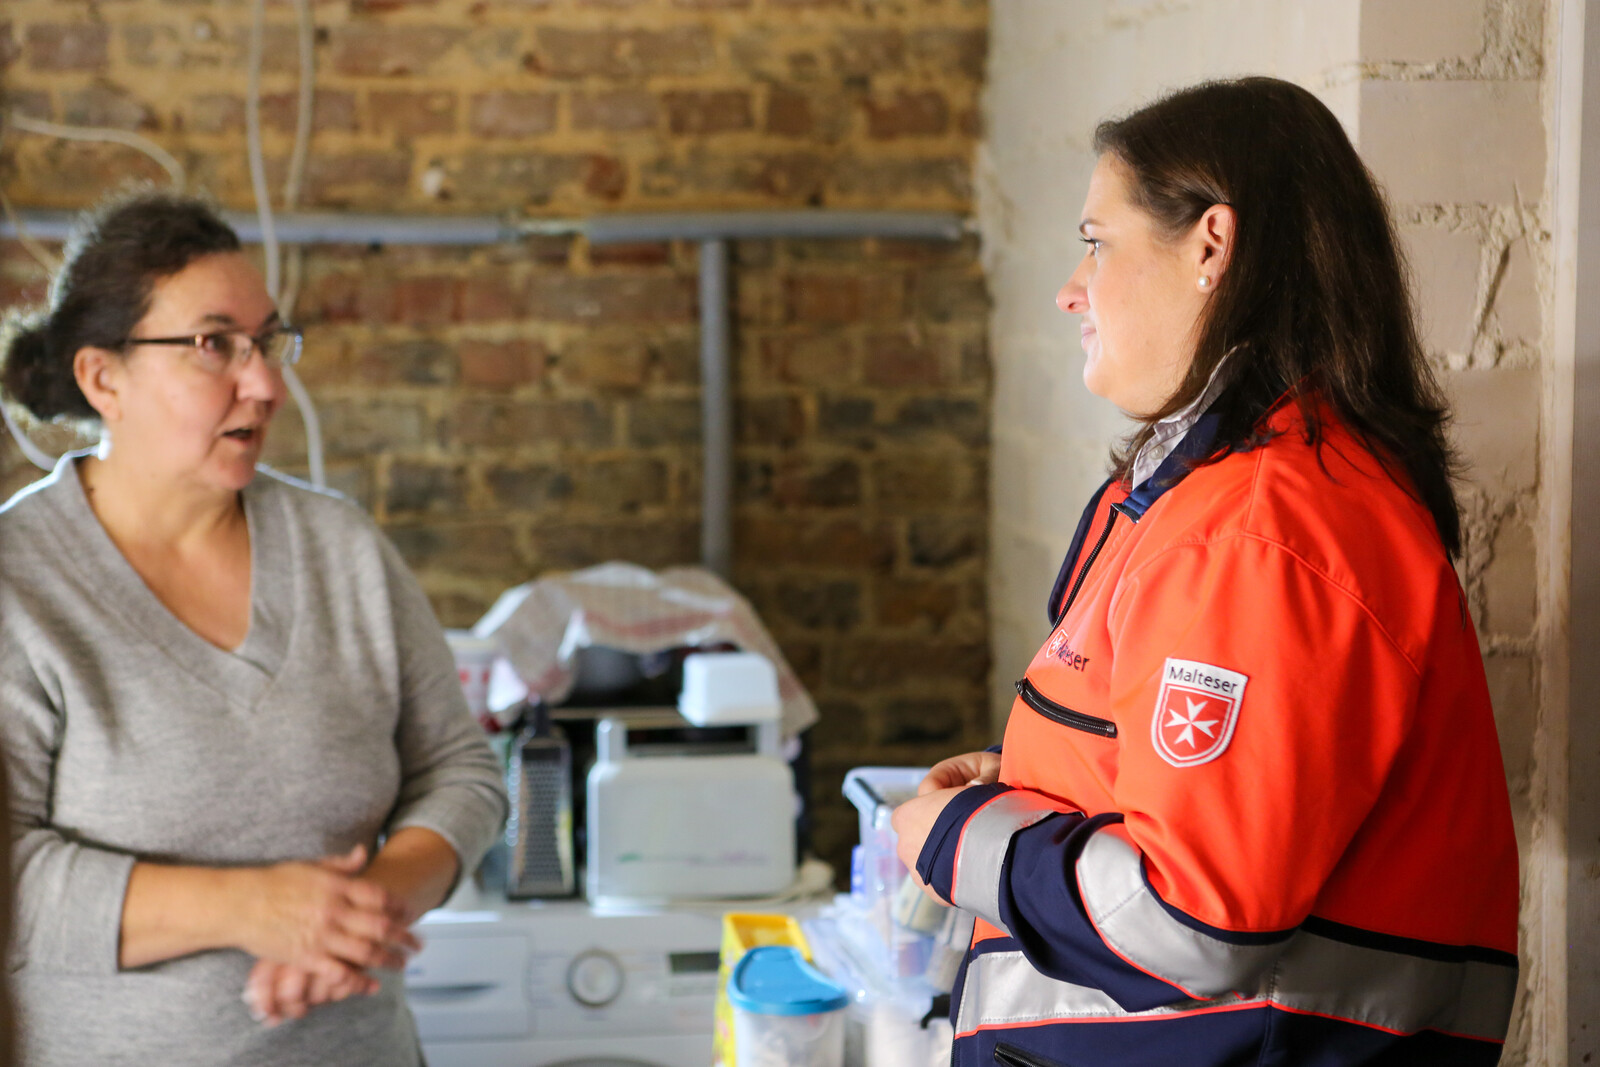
(539, 830)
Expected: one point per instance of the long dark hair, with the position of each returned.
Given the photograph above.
(113, 259)
(1314, 305)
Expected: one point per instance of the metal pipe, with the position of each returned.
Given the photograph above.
(317, 228)
(716, 410)
(735, 225)
(712, 229)
(338, 228)
(314, 228)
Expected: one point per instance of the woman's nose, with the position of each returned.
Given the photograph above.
(1074, 297)
(260, 379)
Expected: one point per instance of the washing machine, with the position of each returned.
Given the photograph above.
(560, 984)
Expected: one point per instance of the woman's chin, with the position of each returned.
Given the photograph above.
(1093, 378)
(235, 472)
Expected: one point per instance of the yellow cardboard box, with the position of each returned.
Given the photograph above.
(742, 932)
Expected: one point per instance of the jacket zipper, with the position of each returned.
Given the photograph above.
(1105, 535)
(1011, 1056)
(1061, 713)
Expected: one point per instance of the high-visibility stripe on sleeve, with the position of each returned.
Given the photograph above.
(1004, 989)
(1395, 991)
(1316, 975)
(981, 852)
(1138, 927)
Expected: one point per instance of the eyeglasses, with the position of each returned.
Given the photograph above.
(227, 351)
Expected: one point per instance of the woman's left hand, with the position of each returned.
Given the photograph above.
(913, 821)
(279, 991)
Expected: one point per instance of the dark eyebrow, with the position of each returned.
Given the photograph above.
(230, 323)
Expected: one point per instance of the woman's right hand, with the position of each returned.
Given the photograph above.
(322, 918)
(970, 768)
(276, 992)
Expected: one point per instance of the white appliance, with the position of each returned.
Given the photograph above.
(699, 805)
(559, 984)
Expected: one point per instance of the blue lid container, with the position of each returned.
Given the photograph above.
(776, 980)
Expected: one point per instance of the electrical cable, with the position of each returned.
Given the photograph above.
(168, 162)
(175, 171)
(305, 38)
(258, 182)
(36, 455)
(252, 128)
(33, 453)
(38, 251)
(294, 263)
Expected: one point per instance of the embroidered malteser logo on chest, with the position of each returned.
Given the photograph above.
(1196, 711)
(1060, 647)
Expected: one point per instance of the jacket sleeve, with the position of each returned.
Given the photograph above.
(450, 780)
(1193, 885)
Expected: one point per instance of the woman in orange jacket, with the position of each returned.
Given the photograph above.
(1250, 807)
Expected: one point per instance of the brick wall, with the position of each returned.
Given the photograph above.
(510, 410)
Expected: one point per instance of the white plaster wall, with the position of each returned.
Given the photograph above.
(1447, 101)
(1453, 102)
(1056, 68)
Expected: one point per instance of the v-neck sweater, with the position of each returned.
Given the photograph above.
(130, 737)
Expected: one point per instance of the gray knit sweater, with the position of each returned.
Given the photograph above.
(128, 736)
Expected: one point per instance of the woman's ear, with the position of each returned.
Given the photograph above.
(99, 373)
(1216, 229)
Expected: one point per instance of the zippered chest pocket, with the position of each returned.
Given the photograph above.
(1060, 713)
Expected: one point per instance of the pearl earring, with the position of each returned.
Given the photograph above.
(1205, 283)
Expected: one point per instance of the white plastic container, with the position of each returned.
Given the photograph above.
(878, 878)
(475, 658)
(786, 1014)
(729, 688)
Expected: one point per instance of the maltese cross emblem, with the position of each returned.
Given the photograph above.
(1186, 735)
(1196, 711)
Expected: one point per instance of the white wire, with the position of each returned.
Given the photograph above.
(16, 120)
(305, 37)
(258, 182)
(39, 252)
(168, 162)
(36, 455)
(252, 127)
(308, 410)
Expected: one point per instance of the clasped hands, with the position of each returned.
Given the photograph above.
(914, 820)
(317, 930)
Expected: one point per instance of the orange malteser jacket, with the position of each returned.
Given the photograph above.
(1252, 807)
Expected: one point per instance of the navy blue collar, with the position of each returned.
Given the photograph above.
(1196, 445)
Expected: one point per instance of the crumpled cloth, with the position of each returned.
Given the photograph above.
(541, 625)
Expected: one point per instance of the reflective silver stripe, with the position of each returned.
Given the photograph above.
(982, 849)
(1307, 972)
(1370, 987)
(1003, 989)
(1135, 925)
(1393, 990)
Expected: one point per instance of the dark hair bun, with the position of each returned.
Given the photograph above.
(112, 260)
(34, 374)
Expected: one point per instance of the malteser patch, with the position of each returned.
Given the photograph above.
(1196, 711)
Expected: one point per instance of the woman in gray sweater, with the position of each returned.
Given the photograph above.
(241, 764)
